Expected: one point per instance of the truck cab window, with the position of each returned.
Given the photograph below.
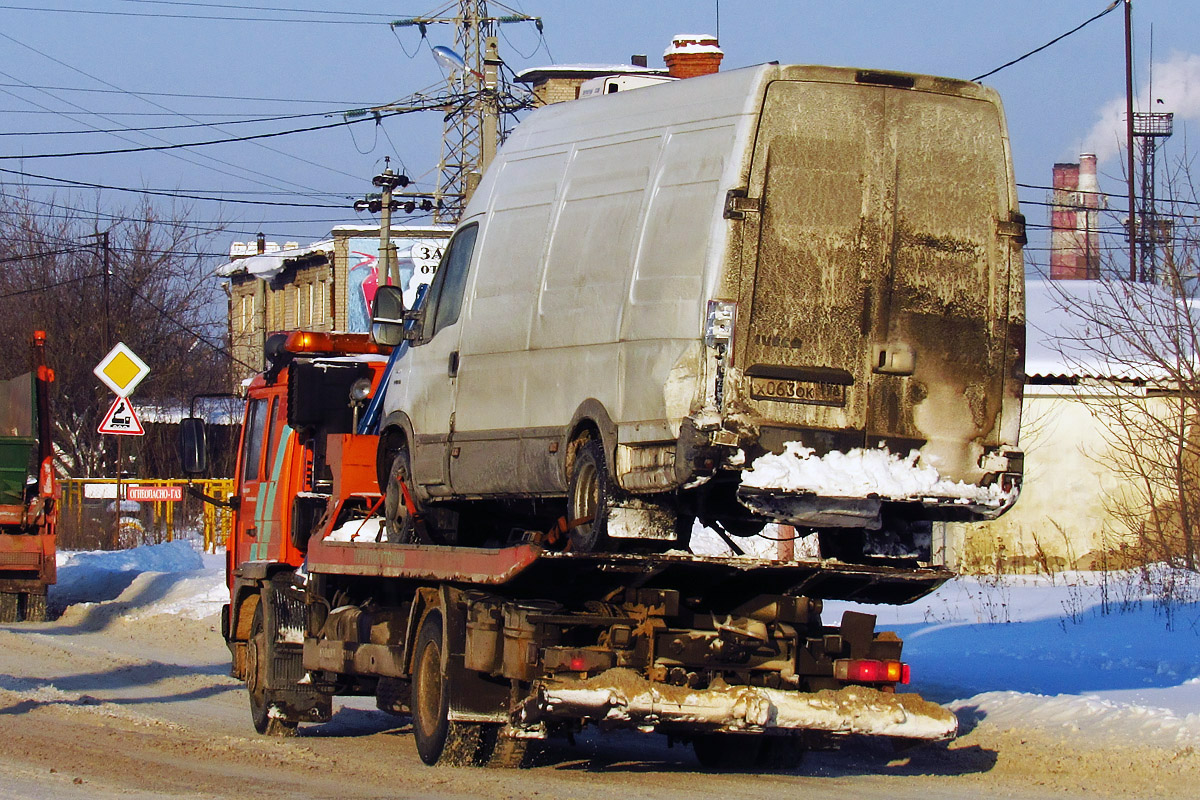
(446, 294)
(252, 446)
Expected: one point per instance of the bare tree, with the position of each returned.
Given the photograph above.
(1140, 343)
(150, 288)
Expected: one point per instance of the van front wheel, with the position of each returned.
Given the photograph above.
(400, 521)
(589, 495)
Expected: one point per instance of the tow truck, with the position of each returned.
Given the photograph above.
(517, 638)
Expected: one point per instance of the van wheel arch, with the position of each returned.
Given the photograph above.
(394, 433)
(591, 421)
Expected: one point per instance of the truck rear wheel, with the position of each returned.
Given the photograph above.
(267, 718)
(438, 739)
(35, 607)
(9, 611)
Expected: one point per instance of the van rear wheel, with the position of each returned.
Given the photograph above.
(589, 495)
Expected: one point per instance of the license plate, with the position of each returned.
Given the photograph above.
(790, 391)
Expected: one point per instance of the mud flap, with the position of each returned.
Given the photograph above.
(284, 618)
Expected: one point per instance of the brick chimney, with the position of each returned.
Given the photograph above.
(691, 55)
(1074, 223)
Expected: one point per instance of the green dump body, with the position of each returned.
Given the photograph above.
(18, 438)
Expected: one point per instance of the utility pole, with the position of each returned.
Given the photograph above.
(101, 238)
(475, 101)
(1129, 137)
(384, 204)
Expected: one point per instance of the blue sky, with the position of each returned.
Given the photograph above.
(326, 63)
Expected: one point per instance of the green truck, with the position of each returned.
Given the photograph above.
(28, 491)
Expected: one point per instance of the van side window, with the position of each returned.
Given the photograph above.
(446, 294)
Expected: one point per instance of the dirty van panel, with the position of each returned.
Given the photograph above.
(948, 281)
(879, 308)
(821, 204)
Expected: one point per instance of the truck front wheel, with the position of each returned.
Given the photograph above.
(267, 717)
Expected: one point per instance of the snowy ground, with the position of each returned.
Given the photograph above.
(127, 694)
(1030, 652)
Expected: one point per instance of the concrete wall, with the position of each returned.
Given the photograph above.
(1064, 518)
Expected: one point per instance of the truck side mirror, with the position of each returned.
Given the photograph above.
(387, 317)
(193, 446)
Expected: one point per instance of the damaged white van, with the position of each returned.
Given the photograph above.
(676, 303)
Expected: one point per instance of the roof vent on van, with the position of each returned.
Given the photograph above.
(885, 79)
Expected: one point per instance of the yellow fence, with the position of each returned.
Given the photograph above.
(88, 516)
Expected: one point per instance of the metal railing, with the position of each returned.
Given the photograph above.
(87, 518)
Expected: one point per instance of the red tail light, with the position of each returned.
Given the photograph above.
(867, 670)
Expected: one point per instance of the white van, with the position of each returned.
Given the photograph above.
(650, 290)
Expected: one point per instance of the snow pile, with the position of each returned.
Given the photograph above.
(707, 542)
(359, 530)
(168, 578)
(1080, 654)
(861, 473)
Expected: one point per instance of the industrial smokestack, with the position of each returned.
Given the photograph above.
(1074, 221)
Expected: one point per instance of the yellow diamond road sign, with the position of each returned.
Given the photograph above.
(121, 370)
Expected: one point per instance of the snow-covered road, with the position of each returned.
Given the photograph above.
(127, 695)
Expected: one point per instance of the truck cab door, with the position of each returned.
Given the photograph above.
(258, 531)
(433, 367)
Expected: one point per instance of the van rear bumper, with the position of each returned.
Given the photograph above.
(810, 510)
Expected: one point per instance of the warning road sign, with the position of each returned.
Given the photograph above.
(121, 420)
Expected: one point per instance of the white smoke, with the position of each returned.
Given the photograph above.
(1176, 83)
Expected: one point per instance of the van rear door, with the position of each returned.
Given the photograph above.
(878, 304)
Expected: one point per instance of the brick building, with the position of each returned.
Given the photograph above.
(324, 286)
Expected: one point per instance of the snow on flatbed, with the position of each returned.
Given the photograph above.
(860, 473)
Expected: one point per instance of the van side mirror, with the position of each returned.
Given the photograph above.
(387, 317)
(193, 446)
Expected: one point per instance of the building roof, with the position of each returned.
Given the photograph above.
(584, 71)
(268, 265)
(1107, 330)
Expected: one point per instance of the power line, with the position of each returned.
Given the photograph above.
(236, 98)
(1055, 40)
(43, 254)
(262, 8)
(186, 158)
(230, 140)
(1165, 200)
(180, 195)
(169, 127)
(37, 289)
(215, 17)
